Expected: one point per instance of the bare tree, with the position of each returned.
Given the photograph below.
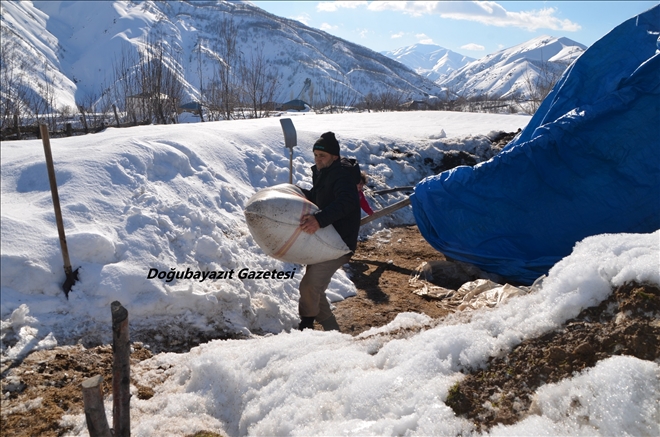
(39, 97)
(94, 109)
(368, 102)
(51, 111)
(310, 94)
(259, 83)
(84, 109)
(125, 83)
(539, 81)
(390, 99)
(172, 82)
(223, 91)
(159, 87)
(337, 94)
(200, 72)
(13, 95)
(151, 80)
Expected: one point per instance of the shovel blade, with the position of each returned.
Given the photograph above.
(290, 137)
(70, 280)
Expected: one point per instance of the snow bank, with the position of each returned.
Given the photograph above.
(144, 205)
(386, 383)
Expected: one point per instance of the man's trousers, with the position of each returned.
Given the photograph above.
(313, 302)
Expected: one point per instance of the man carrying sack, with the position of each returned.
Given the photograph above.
(334, 191)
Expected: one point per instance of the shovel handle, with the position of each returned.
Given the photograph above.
(393, 190)
(387, 210)
(56, 198)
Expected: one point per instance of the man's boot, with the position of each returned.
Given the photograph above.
(306, 323)
(330, 324)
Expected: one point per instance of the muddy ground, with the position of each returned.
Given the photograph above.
(45, 385)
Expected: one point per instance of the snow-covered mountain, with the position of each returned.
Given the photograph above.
(517, 71)
(70, 53)
(429, 60)
(70, 50)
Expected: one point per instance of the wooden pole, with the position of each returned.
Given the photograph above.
(387, 210)
(56, 204)
(114, 108)
(121, 372)
(17, 127)
(97, 422)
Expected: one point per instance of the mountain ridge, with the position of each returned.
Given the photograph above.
(72, 61)
(83, 55)
(429, 60)
(516, 72)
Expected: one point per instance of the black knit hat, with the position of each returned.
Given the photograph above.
(327, 143)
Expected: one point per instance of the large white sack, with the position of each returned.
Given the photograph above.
(273, 216)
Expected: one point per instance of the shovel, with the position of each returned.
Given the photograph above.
(388, 209)
(290, 140)
(71, 275)
(385, 211)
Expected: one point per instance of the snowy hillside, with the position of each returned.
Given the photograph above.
(79, 46)
(516, 71)
(429, 60)
(24, 31)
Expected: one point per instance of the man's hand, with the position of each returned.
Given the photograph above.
(309, 224)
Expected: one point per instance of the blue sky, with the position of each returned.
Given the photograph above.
(473, 29)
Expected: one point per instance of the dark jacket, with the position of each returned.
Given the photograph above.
(334, 191)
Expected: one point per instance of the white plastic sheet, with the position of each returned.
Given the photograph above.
(481, 292)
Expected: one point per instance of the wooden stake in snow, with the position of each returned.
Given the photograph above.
(97, 422)
(121, 372)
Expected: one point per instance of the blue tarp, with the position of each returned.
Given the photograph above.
(587, 163)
